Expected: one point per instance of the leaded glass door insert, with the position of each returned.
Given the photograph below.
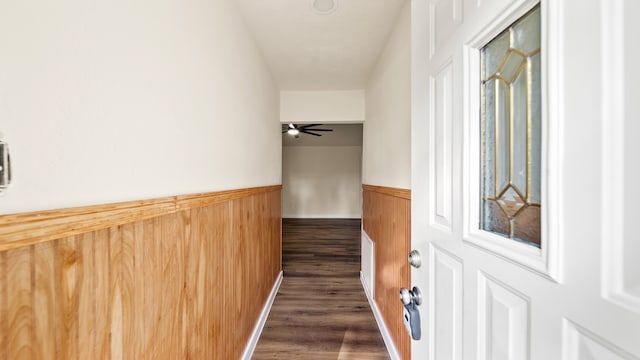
(511, 116)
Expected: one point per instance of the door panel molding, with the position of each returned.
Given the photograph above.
(581, 344)
(445, 303)
(441, 147)
(503, 321)
(439, 19)
(617, 234)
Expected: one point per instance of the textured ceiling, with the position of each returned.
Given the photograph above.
(309, 51)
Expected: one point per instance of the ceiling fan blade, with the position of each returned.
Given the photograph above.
(309, 132)
(319, 129)
(308, 126)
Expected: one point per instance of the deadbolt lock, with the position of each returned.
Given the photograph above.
(414, 258)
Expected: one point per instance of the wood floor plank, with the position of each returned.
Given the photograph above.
(321, 311)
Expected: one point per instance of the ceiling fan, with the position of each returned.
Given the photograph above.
(295, 130)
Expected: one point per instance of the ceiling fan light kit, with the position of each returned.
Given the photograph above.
(324, 7)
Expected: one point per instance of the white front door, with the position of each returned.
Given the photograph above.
(524, 206)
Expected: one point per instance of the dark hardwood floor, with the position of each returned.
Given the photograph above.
(321, 311)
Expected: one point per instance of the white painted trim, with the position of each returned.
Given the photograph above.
(384, 331)
(369, 283)
(257, 329)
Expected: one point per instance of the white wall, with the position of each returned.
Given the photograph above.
(105, 101)
(321, 181)
(322, 106)
(387, 130)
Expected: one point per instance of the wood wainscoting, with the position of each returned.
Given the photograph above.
(386, 218)
(180, 277)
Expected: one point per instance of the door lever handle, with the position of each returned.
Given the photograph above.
(410, 314)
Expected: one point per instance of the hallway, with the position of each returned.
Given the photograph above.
(321, 311)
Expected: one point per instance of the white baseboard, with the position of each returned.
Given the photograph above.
(384, 331)
(257, 330)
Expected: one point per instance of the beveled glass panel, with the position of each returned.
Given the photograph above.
(494, 53)
(503, 115)
(511, 202)
(488, 139)
(512, 65)
(536, 129)
(494, 219)
(519, 109)
(522, 225)
(525, 33)
(511, 112)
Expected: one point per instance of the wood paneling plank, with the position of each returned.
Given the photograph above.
(102, 283)
(115, 290)
(235, 275)
(19, 337)
(221, 325)
(4, 307)
(44, 304)
(184, 300)
(127, 286)
(173, 283)
(67, 298)
(195, 268)
(87, 300)
(180, 280)
(139, 290)
(161, 324)
(151, 294)
(212, 242)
